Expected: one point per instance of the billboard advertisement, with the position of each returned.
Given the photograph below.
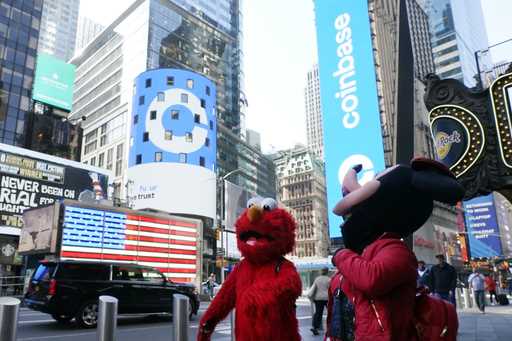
(40, 229)
(351, 119)
(53, 82)
(29, 179)
(173, 143)
(482, 227)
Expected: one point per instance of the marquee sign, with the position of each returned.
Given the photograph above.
(472, 132)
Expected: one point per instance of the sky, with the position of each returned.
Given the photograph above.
(280, 48)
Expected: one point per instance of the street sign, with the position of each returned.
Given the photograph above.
(221, 251)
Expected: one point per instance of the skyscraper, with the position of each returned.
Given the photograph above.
(455, 39)
(19, 33)
(301, 188)
(314, 128)
(86, 31)
(58, 28)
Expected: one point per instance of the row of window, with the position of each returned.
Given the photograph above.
(175, 115)
(161, 98)
(168, 135)
(108, 161)
(170, 82)
(159, 158)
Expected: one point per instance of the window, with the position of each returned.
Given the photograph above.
(175, 114)
(138, 159)
(141, 100)
(188, 137)
(184, 98)
(203, 103)
(158, 157)
(127, 273)
(208, 90)
(135, 119)
(211, 125)
(152, 276)
(160, 97)
(170, 81)
(152, 115)
(101, 159)
(168, 135)
(145, 137)
(190, 83)
(148, 83)
(87, 272)
(201, 161)
(93, 161)
(207, 142)
(119, 159)
(183, 157)
(110, 158)
(197, 118)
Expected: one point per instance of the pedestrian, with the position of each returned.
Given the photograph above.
(340, 312)
(210, 285)
(476, 282)
(443, 280)
(423, 274)
(319, 293)
(490, 286)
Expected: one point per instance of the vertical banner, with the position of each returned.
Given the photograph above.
(482, 227)
(352, 129)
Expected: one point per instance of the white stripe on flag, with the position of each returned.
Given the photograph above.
(126, 252)
(164, 245)
(161, 226)
(159, 235)
(179, 275)
(168, 265)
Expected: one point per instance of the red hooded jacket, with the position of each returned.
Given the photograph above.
(382, 284)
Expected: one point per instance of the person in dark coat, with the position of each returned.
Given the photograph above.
(379, 270)
(443, 280)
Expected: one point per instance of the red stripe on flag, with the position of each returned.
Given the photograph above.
(159, 249)
(180, 280)
(161, 230)
(97, 256)
(159, 240)
(181, 271)
(162, 221)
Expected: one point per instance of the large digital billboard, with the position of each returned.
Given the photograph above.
(482, 227)
(29, 179)
(53, 82)
(351, 118)
(173, 143)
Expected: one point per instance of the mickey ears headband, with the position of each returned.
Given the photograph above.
(435, 179)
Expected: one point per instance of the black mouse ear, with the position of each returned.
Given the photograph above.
(435, 180)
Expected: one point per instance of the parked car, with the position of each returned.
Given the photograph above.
(70, 289)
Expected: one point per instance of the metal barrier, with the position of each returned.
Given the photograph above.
(13, 286)
(232, 321)
(9, 309)
(107, 318)
(180, 311)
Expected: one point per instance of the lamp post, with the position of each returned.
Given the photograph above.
(480, 84)
(221, 220)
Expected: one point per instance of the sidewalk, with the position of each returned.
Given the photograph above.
(495, 324)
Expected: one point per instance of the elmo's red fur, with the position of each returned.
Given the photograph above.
(263, 287)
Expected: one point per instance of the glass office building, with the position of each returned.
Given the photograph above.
(19, 33)
(455, 39)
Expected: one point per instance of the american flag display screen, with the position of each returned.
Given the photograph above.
(169, 245)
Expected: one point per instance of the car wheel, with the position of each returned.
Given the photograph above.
(87, 316)
(62, 318)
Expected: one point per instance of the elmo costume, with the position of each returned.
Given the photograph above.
(263, 287)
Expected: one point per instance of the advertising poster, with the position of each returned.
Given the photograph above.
(351, 118)
(39, 232)
(53, 82)
(482, 227)
(27, 182)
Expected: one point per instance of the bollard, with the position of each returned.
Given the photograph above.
(107, 318)
(9, 308)
(458, 298)
(180, 306)
(467, 299)
(232, 321)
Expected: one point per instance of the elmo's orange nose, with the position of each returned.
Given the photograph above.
(254, 213)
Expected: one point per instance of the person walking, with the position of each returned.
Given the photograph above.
(476, 282)
(340, 312)
(210, 285)
(490, 286)
(319, 294)
(443, 280)
(423, 274)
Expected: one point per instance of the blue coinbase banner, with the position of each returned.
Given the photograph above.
(482, 227)
(352, 129)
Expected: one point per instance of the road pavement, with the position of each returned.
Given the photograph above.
(496, 324)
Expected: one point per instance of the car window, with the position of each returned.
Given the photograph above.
(126, 273)
(43, 272)
(152, 276)
(89, 272)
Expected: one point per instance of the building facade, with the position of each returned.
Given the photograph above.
(86, 31)
(455, 40)
(19, 33)
(504, 215)
(314, 127)
(58, 28)
(301, 188)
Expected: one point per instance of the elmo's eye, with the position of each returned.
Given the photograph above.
(268, 204)
(253, 201)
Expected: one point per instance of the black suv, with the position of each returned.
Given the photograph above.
(70, 289)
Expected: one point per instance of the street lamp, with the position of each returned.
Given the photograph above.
(478, 63)
(221, 220)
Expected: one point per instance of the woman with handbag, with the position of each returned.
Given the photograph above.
(340, 313)
(319, 295)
